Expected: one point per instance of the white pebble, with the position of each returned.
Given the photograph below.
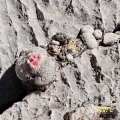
(89, 40)
(69, 57)
(97, 34)
(117, 32)
(87, 29)
(54, 42)
(110, 38)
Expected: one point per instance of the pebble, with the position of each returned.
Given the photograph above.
(54, 42)
(89, 40)
(87, 29)
(117, 32)
(110, 38)
(69, 57)
(97, 34)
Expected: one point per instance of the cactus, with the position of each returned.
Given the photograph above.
(35, 68)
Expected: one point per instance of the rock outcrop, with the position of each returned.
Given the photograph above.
(85, 82)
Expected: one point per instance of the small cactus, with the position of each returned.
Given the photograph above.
(35, 67)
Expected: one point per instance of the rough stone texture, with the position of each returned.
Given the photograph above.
(97, 34)
(76, 89)
(93, 80)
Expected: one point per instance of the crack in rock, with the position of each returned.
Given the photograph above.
(64, 79)
(40, 15)
(34, 40)
(97, 69)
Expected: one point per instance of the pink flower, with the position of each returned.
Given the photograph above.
(36, 56)
(33, 61)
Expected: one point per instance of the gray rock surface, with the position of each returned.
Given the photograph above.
(82, 86)
(69, 57)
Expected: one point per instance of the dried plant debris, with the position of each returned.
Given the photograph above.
(68, 115)
(35, 67)
(64, 48)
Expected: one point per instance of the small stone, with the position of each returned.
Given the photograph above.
(69, 57)
(89, 40)
(54, 42)
(110, 38)
(87, 29)
(97, 34)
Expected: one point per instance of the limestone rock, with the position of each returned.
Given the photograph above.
(97, 34)
(87, 29)
(84, 84)
(89, 40)
(69, 57)
(110, 38)
(117, 32)
(78, 92)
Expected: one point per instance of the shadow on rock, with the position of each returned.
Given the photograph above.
(11, 89)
